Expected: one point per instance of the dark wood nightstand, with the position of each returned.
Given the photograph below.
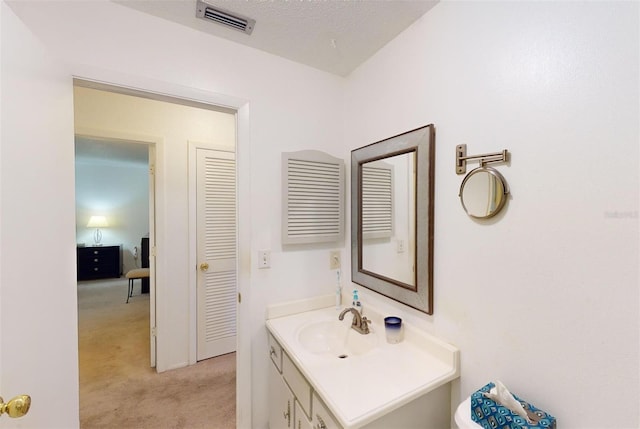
(99, 262)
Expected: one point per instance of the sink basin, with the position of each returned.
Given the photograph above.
(335, 337)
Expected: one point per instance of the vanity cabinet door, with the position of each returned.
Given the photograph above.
(301, 421)
(322, 417)
(275, 352)
(281, 402)
(299, 386)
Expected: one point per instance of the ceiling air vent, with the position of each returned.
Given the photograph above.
(226, 18)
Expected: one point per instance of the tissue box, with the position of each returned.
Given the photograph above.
(490, 415)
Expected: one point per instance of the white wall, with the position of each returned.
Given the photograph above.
(292, 107)
(556, 318)
(120, 191)
(545, 297)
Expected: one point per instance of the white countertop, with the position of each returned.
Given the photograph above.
(360, 389)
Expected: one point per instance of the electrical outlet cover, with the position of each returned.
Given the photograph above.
(334, 260)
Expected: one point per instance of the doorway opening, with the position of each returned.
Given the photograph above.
(101, 113)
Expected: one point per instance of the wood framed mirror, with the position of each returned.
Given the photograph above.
(392, 206)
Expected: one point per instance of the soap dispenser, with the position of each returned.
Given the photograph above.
(356, 301)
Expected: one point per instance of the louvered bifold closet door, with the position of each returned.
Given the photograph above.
(377, 201)
(313, 198)
(217, 248)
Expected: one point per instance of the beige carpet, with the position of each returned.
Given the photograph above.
(118, 389)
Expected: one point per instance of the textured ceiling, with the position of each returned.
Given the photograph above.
(335, 36)
(331, 35)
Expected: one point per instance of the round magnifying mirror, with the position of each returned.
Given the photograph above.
(483, 192)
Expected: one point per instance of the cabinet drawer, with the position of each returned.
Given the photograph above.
(89, 252)
(275, 351)
(298, 384)
(98, 269)
(322, 417)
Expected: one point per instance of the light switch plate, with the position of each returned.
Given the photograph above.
(264, 259)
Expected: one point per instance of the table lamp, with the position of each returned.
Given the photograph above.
(97, 222)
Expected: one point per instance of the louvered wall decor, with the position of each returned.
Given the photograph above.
(377, 200)
(312, 197)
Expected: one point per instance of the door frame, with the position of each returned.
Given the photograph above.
(137, 85)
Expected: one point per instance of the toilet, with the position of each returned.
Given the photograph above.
(462, 416)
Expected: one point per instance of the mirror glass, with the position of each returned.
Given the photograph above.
(483, 192)
(392, 217)
(388, 217)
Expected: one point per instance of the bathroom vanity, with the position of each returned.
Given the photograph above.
(323, 374)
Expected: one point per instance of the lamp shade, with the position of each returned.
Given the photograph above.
(97, 222)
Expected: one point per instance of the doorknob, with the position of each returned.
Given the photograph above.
(16, 407)
(204, 266)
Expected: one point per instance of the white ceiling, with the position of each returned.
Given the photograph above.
(331, 35)
(335, 36)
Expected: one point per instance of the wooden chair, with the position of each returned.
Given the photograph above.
(137, 273)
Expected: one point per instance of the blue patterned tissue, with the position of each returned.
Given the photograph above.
(491, 415)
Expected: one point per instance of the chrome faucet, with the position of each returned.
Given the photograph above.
(360, 324)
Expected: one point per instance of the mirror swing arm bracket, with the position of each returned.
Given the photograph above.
(485, 158)
(484, 191)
